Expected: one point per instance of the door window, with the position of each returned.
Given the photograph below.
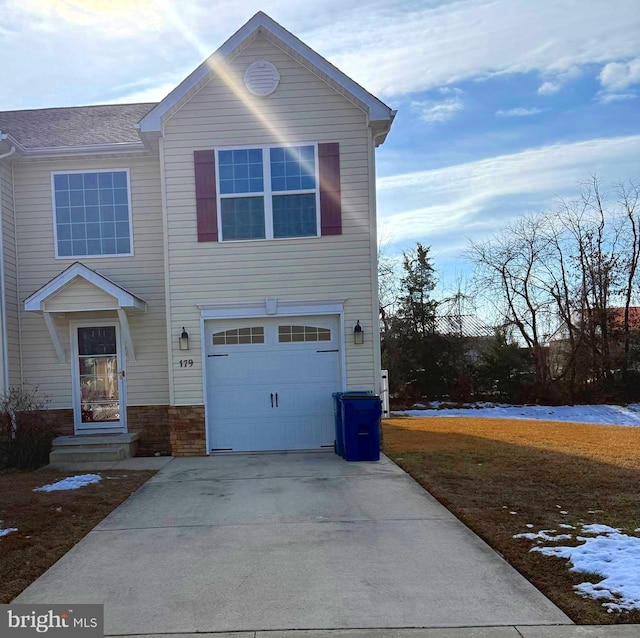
(98, 373)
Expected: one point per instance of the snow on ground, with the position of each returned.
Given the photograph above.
(545, 535)
(606, 414)
(7, 530)
(610, 554)
(70, 483)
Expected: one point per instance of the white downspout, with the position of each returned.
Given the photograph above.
(4, 386)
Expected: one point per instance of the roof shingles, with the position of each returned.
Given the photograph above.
(75, 126)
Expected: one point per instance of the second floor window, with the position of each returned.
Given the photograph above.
(92, 214)
(268, 193)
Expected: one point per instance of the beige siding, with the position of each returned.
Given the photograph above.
(303, 109)
(80, 295)
(10, 273)
(142, 274)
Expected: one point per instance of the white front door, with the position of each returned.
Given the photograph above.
(270, 383)
(99, 383)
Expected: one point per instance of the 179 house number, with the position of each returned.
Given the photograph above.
(186, 363)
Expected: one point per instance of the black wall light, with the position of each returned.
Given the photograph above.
(358, 334)
(183, 342)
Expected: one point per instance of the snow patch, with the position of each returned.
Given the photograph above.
(70, 483)
(603, 414)
(613, 556)
(566, 526)
(545, 535)
(599, 529)
(7, 530)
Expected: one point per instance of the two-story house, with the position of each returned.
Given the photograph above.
(197, 271)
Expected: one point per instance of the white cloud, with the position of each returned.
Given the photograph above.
(443, 206)
(412, 51)
(393, 48)
(608, 98)
(520, 112)
(549, 88)
(617, 76)
(432, 112)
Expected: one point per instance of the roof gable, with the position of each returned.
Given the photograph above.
(263, 24)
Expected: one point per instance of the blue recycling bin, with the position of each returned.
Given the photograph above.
(337, 413)
(361, 426)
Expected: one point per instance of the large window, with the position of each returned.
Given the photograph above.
(92, 215)
(268, 193)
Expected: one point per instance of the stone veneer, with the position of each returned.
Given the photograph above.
(151, 422)
(187, 430)
(163, 429)
(60, 421)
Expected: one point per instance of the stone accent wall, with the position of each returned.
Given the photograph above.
(60, 421)
(151, 422)
(187, 429)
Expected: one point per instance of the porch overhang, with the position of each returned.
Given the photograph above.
(79, 289)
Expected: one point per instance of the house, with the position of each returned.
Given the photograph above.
(190, 273)
(588, 346)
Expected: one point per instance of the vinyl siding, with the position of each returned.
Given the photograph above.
(80, 295)
(303, 109)
(142, 274)
(10, 273)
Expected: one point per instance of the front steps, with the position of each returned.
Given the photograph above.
(93, 447)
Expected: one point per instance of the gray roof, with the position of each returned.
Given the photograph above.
(74, 126)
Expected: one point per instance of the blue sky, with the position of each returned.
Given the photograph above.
(504, 105)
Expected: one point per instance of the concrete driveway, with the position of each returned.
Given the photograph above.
(288, 541)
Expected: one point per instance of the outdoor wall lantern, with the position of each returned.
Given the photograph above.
(358, 334)
(184, 340)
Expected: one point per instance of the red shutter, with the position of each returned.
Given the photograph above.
(330, 195)
(206, 206)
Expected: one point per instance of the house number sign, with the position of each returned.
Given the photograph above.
(186, 363)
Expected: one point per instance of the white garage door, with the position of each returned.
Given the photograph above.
(269, 383)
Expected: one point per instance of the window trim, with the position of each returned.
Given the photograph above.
(55, 221)
(267, 194)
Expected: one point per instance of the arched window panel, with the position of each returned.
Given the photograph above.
(239, 336)
(299, 334)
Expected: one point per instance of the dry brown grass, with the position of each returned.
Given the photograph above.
(483, 469)
(51, 523)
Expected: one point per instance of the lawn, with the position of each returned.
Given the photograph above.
(506, 477)
(50, 523)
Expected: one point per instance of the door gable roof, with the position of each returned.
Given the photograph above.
(77, 271)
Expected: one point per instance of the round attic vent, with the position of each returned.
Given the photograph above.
(261, 78)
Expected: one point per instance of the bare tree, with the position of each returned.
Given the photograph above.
(510, 270)
(629, 201)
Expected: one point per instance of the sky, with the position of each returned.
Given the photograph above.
(504, 106)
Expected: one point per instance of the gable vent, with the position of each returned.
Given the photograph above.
(261, 78)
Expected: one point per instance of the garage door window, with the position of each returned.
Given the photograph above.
(239, 336)
(296, 334)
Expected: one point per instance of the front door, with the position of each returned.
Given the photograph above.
(99, 379)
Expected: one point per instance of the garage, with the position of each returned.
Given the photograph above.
(269, 383)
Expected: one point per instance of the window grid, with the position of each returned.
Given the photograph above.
(92, 214)
(297, 334)
(285, 216)
(239, 336)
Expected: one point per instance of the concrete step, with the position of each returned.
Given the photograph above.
(82, 453)
(93, 447)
